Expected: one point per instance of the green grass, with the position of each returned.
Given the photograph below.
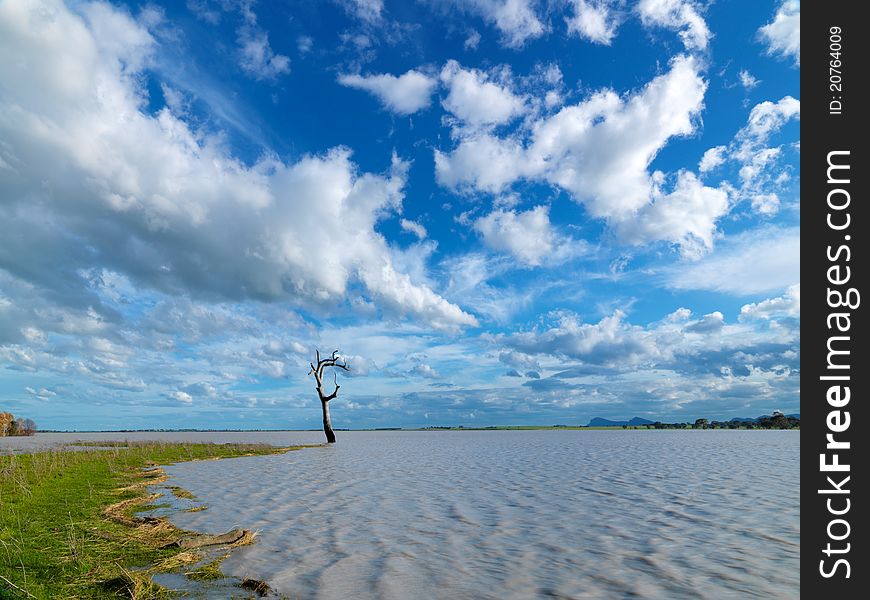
(207, 572)
(181, 493)
(55, 541)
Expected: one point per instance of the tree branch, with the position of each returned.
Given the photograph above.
(332, 395)
(322, 364)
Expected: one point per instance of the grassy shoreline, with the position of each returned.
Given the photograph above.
(68, 524)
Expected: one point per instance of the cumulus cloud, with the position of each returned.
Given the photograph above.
(477, 100)
(708, 323)
(403, 95)
(678, 343)
(182, 397)
(765, 204)
(528, 236)
(787, 305)
(424, 370)
(765, 119)
(98, 183)
(516, 20)
(600, 150)
(609, 341)
(783, 34)
(594, 20)
(685, 216)
(712, 158)
(757, 160)
(680, 15)
(519, 360)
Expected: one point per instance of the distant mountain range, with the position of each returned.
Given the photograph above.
(638, 421)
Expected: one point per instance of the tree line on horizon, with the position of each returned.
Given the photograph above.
(775, 421)
(10, 426)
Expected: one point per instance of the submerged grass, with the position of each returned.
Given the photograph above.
(209, 571)
(68, 527)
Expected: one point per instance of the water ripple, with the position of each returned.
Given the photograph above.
(504, 514)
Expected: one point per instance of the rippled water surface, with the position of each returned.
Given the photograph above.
(514, 514)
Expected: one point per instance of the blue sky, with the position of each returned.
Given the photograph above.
(499, 211)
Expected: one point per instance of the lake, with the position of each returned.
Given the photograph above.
(511, 514)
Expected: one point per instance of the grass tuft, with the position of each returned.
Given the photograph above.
(181, 493)
(209, 571)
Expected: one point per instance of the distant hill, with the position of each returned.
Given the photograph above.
(599, 422)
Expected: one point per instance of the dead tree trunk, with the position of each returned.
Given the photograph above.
(327, 422)
(317, 370)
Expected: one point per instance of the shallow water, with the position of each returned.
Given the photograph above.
(513, 514)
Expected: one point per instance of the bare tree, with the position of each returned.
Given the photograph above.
(317, 370)
(27, 426)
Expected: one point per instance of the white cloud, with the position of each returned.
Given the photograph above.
(472, 41)
(609, 341)
(747, 79)
(475, 99)
(594, 20)
(712, 158)
(686, 216)
(519, 360)
(257, 58)
(149, 197)
(484, 163)
(783, 34)
(255, 55)
(599, 150)
(304, 43)
(43, 394)
(709, 323)
(757, 261)
(114, 36)
(681, 15)
(182, 397)
(765, 204)
(515, 19)
(414, 227)
(678, 343)
(759, 177)
(403, 95)
(527, 236)
(366, 10)
(424, 370)
(787, 305)
(203, 10)
(765, 119)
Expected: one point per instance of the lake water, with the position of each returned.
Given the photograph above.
(512, 514)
